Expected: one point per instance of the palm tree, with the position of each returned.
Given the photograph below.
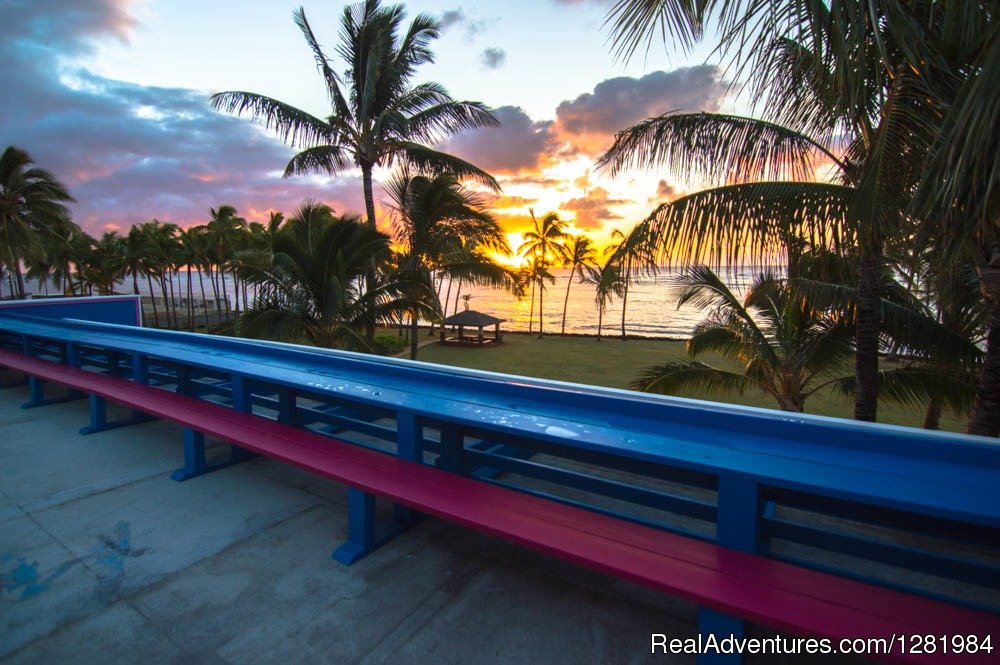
(790, 346)
(436, 220)
(787, 348)
(383, 117)
(32, 204)
(581, 255)
(823, 73)
(544, 244)
(311, 287)
(107, 262)
(608, 282)
(959, 189)
(134, 259)
(223, 228)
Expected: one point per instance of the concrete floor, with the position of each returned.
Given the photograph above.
(105, 559)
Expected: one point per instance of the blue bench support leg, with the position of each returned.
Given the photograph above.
(99, 417)
(195, 462)
(360, 527)
(242, 402)
(194, 456)
(364, 535)
(409, 437)
(738, 527)
(36, 395)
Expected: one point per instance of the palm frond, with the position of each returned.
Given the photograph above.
(293, 126)
(330, 159)
(747, 223)
(714, 147)
(429, 160)
(690, 377)
(916, 386)
(322, 61)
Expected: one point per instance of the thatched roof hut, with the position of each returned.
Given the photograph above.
(471, 319)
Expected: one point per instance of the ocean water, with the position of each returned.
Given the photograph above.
(651, 310)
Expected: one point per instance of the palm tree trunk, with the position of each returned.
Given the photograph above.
(866, 336)
(222, 290)
(531, 309)
(204, 305)
(447, 296)
(135, 283)
(437, 293)
(566, 299)
(236, 293)
(985, 417)
(173, 298)
(166, 305)
(20, 279)
(624, 305)
(370, 277)
(541, 311)
(600, 320)
(932, 417)
(413, 336)
(152, 296)
(215, 292)
(190, 303)
(458, 294)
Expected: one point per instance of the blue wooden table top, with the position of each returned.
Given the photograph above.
(934, 473)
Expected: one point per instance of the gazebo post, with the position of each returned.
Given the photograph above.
(496, 332)
(480, 335)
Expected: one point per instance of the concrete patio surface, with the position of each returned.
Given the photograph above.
(106, 559)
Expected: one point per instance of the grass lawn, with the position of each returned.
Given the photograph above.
(612, 363)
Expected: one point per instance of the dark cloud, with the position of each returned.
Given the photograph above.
(493, 58)
(593, 208)
(519, 144)
(591, 120)
(451, 17)
(664, 192)
(130, 152)
(473, 27)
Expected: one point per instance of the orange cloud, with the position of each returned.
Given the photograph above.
(594, 208)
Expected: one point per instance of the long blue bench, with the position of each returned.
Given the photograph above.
(757, 480)
(723, 580)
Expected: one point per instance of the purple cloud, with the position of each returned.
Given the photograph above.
(129, 152)
(519, 144)
(590, 120)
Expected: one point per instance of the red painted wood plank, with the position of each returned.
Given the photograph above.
(764, 591)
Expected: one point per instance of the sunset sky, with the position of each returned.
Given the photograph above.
(112, 96)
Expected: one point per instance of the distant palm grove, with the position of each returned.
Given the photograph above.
(895, 254)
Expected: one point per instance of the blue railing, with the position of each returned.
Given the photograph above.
(904, 507)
